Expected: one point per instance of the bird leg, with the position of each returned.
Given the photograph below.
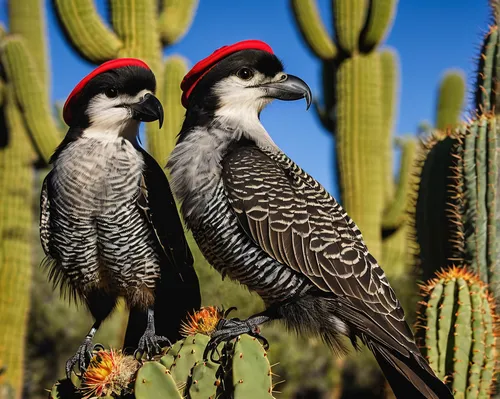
(84, 352)
(149, 341)
(228, 329)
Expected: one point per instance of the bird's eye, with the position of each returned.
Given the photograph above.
(111, 93)
(245, 73)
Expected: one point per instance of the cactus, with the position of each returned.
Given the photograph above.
(243, 370)
(24, 99)
(139, 32)
(457, 327)
(450, 100)
(456, 211)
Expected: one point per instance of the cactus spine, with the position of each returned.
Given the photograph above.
(139, 32)
(458, 326)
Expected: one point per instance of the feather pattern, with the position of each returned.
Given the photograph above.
(308, 231)
(93, 228)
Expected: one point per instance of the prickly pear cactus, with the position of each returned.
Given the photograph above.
(457, 328)
(243, 370)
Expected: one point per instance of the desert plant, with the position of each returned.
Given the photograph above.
(458, 327)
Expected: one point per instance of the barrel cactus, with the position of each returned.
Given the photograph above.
(458, 326)
(242, 370)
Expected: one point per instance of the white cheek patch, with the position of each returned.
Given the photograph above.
(112, 116)
(240, 105)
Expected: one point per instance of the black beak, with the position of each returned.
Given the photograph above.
(148, 110)
(289, 88)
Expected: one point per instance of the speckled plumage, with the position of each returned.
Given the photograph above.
(92, 227)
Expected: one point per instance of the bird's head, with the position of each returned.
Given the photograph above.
(236, 82)
(114, 98)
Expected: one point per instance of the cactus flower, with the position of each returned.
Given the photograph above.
(109, 373)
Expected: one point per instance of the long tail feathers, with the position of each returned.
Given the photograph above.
(409, 378)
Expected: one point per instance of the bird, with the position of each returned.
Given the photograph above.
(261, 220)
(109, 225)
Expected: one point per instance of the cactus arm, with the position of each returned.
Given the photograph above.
(395, 213)
(349, 17)
(175, 19)
(379, 21)
(486, 75)
(462, 346)
(155, 382)
(450, 100)
(478, 344)
(313, 30)
(161, 142)
(20, 70)
(16, 221)
(85, 30)
(431, 334)
(27, 18)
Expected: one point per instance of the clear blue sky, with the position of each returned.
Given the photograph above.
(430, 37)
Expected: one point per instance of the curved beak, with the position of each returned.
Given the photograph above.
(289, 88)
(148, 109)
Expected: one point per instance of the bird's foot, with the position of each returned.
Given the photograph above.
(82, 356)
(227, 329)
(150, 344)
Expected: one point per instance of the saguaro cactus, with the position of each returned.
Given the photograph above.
(458, 326)
(27, 135)
(140, 29)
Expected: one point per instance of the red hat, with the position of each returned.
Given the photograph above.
(107, 66)
(204, 66)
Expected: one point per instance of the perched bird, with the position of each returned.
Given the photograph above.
(109, 224)
(261, 220)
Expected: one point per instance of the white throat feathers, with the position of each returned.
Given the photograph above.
(111, 118)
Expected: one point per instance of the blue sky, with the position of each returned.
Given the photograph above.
(430, 36)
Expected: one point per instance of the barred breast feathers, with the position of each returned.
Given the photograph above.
(97, 176)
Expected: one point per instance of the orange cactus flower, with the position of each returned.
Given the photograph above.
(203, 321)
(109, 372)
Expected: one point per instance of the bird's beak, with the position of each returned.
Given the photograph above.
(148, 109)
(289, 88)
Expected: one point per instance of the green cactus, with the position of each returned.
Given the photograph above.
(486, 92)
(450, 101)
(139, 32)
(457, 327)
(244, 372)
(456, 211)
(24, 99)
